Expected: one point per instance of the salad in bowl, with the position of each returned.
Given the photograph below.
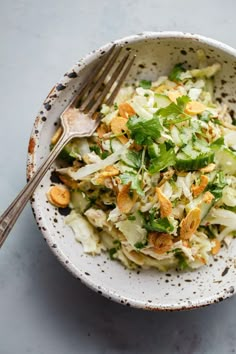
(155, 186)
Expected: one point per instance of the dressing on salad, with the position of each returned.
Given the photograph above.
(155, 185)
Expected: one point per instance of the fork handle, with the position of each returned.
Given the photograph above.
(11, 214)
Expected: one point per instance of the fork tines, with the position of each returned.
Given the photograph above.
(103, 83)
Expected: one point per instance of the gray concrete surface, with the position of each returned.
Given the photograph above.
(43, 310)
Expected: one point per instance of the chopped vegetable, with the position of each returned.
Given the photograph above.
(144, 131)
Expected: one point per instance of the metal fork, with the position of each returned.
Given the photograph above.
(76, 122)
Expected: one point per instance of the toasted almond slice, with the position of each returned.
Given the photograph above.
(201, 259)
(165, 203)
(173, 95)
(125, 200)
(166, 176)
(161, 88)
(208, 197)
(56, 135)
(101, 130)
(59, 196)
(215, 249)
(109, 171)
(190, 223)
(196, 190)
(135, 147)
(161, 242)
(125, 110)
(194, 107)
(69, 182)
(118, 126)
(208, 168)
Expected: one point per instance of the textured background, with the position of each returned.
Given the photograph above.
(43, 309)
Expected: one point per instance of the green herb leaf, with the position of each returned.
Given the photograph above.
(159, 225)
(104, 155)
(175, 74)
(165, 159)
(96, 149)
(132, 177)
(131, 217)
(145, 84)
(144, 131)
(174, 113)
(217, 186)
(135, 158)
(140, 245)
(112, 252)
(117, 243)
(99, 152)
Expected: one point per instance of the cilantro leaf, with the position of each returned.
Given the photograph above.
(132, 177)
(159, 225)
(145, 84)
(144, 131)
(165, 159)
(174, 113)
(134, 159)
(175, 74)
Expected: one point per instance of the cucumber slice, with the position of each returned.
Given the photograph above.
(205, 208)
(162, 101)
(79, 201)
(226, 160)
(186, 163)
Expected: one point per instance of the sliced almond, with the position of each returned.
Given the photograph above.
(56, 135)
(161, 88)
(215, 249)
(208, 197)
(69, 182)
(118, 126)
(174, 95)
(59, 196)
(166, 176)
(165, 203)
(200, 259)
(126, 200)
(208, 168)
(102, 130)
(109, 171)
(190, 223)
(196, 190)
(194, 107)
(161, 242)
(126, 111)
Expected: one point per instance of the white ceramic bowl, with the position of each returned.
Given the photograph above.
(147, 289)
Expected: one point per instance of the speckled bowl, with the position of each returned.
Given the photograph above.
(146, 289)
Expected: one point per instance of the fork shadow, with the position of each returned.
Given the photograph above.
(109, 327)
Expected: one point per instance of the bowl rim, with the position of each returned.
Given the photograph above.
(31, 168)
